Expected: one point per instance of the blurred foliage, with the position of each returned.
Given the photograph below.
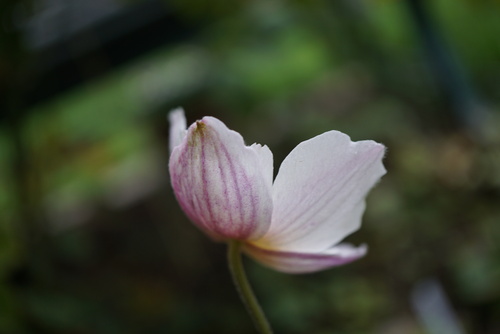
(93, 241)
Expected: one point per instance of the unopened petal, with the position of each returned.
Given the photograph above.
(319, 192)
(177, 121)
(221, 184)
(299, 263)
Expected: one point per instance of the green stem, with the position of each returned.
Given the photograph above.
(244, 288)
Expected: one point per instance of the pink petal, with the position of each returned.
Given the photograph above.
(177, 127)
(299, 263)
(319, 192)
(221, 184)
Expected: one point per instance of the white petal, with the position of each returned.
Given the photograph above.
(221, 184)
(299, 263)
(265, 161)
(177, 127)
(319, 192)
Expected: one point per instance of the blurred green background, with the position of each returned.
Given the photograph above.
(91, 237)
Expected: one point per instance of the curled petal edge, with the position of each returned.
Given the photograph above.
(301, 263)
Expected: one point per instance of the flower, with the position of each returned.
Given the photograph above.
(293, 224)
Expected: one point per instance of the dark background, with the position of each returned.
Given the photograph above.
(91, 237)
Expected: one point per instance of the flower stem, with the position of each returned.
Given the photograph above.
(244, 288)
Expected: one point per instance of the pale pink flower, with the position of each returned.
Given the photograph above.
(293, 224)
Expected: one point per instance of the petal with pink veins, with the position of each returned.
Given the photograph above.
(223, 185)
(300, 263)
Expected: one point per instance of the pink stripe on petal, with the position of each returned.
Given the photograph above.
(301, 263)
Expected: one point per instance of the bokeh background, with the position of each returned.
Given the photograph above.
(91, 237)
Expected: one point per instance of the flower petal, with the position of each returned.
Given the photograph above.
(299, 263)
(319, 192)
(265, 161)
(222, 185)
(177, 127)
